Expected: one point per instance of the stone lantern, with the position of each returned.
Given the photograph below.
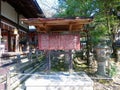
(118, 54)
(102, 55)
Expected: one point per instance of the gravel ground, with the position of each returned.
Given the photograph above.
(110, 86)
(113, 84)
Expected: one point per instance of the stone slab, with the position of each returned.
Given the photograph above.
(59, 81)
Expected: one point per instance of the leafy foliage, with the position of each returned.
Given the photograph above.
(104, 13)
(113, 70)
(73, 8)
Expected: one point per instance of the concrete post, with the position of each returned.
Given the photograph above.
(18, 58)
(8, 82)
(30, 54)
(36, 52)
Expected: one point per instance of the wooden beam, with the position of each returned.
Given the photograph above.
(43, 26)
(58, 31)
(70, 27)
(40, 30)
(12, 23)
(55, 25)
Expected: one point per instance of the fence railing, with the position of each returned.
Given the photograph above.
(21, 63)
(24, 68)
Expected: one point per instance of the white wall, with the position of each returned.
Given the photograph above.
(9, 12)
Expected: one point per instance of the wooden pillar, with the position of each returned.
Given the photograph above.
(36, 37)
(9, 41)
(48, 61)
(70, 62)
(17, 43)
(30, 54)
(0, 32)
(37, 54)
(0, 23)
(17, 35)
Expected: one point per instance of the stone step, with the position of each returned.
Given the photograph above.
(21, 66)
(18, 82)
(27, 74)
(21, 87)
(28, 70)
(16, 76)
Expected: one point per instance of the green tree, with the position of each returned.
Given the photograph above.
(102, 11)
(105, 22)
(78, 8)
(83, 9)
(110, 19)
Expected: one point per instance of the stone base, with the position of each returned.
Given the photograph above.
(59, 81)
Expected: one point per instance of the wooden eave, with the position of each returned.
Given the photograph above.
(28, 8)
(57, 24)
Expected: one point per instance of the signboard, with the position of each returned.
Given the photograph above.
(57, 41)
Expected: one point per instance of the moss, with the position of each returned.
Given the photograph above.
(105, 82)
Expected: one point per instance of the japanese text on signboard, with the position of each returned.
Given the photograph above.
(59, 41)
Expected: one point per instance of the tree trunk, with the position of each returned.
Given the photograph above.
(88, 50)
